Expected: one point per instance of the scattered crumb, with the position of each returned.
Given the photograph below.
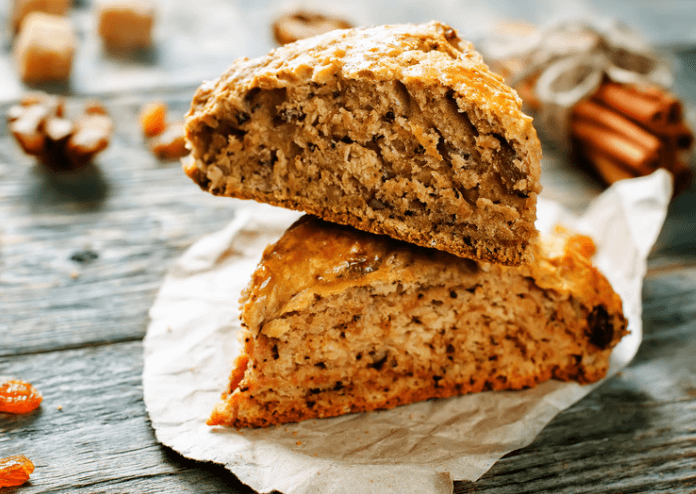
(299, 443)
(126, 24)
(74, 275)
(170, 144)
(59, 407)
(22, 8)
(167, 140)
(44, 48)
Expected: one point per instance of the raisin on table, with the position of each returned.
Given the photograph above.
(15, 470)
(18, 396)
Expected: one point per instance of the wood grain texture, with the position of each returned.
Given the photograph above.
(81, 260)
(133, 212)
(91, 433)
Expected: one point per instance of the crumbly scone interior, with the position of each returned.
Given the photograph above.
(380, 346)
(407, 159)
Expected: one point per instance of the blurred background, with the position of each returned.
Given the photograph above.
(198, 40)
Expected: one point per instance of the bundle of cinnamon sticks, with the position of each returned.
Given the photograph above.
(627, 131)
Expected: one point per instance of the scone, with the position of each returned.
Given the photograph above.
(337, 320)
(399, 130)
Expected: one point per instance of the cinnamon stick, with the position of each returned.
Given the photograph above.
(614, 121)
(608, 170)
(647, 108)
(678, 134)
(614, 146)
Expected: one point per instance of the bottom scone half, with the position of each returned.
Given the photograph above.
(336, 321)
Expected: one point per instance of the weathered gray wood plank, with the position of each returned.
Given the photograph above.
(71, 323)
(636, 433)
(91, 433)
(134, 213)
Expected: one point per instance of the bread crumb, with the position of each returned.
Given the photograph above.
(44, 48)
(22, 8)
(126, 24)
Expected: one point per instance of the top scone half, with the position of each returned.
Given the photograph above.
(399, 130)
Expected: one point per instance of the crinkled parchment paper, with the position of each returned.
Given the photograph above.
(419, 448)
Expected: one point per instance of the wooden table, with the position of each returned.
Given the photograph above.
(81, 260)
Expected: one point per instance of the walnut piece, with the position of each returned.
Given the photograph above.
(300, 25)
(39, 126)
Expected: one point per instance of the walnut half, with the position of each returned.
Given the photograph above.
(39, 126)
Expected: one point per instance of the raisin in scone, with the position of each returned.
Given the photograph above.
(399, 130)
(336, 320)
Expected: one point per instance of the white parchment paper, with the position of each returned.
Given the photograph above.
(419, 448)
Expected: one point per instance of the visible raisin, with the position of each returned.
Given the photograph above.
(338, 386)
(600, 329)
(378, 364)
(320, 365)
(453, 294)
(153, 118)
(310, 404)
(15, 470)
(389, 116)
(18, 396)
(274, 350)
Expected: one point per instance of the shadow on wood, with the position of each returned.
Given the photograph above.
(86, 186)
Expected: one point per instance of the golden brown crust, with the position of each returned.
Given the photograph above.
(341, 321)
(398, 130)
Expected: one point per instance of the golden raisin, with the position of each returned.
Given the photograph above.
(153, 118)
(15, 470)
(18, 396)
